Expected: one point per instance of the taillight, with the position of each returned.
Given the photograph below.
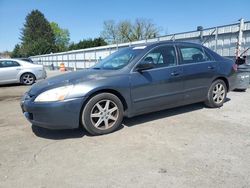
(235, 67)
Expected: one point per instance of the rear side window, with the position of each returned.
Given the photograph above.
(4, 64)
(192, 55)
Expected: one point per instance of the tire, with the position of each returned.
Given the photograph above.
(102, 114)
(28, 79)
(217, 94)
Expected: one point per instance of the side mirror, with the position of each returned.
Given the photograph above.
(144, 66)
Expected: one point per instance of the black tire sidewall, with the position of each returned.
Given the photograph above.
(34, 78)
(85, 116)
(210, 102)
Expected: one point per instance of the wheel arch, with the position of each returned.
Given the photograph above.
(112, 91)
(29, 72)
(224, 79)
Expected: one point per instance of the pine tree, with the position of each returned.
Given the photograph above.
(37, 36)
(16, 52)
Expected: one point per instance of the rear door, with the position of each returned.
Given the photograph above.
(198, 71)
(8, 71)
(158, 87)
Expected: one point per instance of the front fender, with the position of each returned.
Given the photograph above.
(118, 85)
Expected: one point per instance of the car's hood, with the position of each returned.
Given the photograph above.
(69, 79)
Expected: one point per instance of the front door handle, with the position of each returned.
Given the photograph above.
(211, 67)
(175, 73)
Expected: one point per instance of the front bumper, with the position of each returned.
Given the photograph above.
(53, 115)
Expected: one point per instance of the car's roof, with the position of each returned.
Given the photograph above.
(168, 42)
(12, 59)
(9, 59)
(151, 45)
(6, 59)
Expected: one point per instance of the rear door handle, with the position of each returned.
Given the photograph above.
(18, 69)
(210, 67)
(175, 73)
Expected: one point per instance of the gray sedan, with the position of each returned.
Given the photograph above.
(18, 71)
(131, 81)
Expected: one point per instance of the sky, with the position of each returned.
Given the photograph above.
(84, 18)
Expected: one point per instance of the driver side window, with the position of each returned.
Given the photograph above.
(163, 56)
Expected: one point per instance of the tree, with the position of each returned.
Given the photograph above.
(16, 53)
(37, 36)
(61, 37)
(99, 42)
(144, 29)
(110, 31)
(88, 43)
(125, 31)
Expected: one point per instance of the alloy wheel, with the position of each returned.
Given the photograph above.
(219, 93)
(28, 79)
(104, 114)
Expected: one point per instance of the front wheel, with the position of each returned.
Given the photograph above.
(102, 114)
(217, 94)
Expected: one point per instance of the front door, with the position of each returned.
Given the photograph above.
(160, 86)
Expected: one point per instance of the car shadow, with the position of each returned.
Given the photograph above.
(129, 122)
(240, 90)
(58, 134)
(227, 100)
(11, 85)
(62, 134)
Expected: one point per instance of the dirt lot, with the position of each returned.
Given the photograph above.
(190, 146)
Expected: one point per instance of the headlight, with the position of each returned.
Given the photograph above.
(57, 94)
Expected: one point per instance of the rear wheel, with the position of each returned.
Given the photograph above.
(102, 114)
(217, 94)
(28, 79)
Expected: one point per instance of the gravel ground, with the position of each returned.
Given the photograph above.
(190, 146)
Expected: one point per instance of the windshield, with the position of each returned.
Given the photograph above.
(118, 59)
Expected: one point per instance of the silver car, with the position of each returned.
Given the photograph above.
(18, 71)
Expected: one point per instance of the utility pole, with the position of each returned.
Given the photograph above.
(238, 47)
(216, 39)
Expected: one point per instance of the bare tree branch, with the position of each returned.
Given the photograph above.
(125, 31)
